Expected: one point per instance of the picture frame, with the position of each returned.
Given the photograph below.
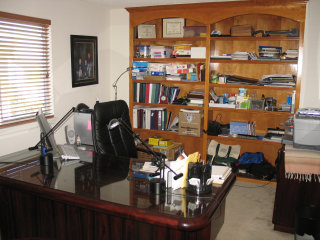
(84, 60)
(146, 31)
(173, 27)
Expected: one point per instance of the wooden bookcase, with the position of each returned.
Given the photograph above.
(222, 16)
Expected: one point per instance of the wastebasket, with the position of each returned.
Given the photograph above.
(307, 223)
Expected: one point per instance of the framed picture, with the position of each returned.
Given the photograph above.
(146, 31)
(84, 60)
(173, 27)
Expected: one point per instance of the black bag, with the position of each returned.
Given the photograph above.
(214, 128)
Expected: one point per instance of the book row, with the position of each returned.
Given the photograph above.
(152, 118)
(154, 93)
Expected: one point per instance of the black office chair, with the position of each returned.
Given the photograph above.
(116, 141)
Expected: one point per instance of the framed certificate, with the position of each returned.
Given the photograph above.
(146, 31)
(173, 27)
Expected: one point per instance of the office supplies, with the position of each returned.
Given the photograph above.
(198, 175)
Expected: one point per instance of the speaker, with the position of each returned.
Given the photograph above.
(70, 134)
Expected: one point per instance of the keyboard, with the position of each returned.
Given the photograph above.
(68, 152)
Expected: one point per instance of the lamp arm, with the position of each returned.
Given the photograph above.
(54, 127)
(114, 85)
(161, 164)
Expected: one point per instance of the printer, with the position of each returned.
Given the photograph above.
(306, 133)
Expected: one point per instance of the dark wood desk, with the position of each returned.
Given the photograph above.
(100, 200)
(291, 194)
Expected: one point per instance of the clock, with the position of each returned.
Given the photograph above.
(163, 99)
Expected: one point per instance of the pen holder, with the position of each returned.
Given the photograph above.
(203, 173)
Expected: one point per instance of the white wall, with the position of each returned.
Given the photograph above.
(67, 17)
(310, 89)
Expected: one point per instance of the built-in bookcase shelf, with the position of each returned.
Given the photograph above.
(222, 16)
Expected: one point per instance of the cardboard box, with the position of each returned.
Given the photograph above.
(172, 152)
(194, 31)
(191, 122)
(241, 30)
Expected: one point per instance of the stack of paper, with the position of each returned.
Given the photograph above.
(219, 174)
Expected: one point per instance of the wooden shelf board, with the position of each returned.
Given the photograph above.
(175, 106)
(252, 61)
(217, 85)
(251, 111)
(188, 39)
(237, 140)
(170, 60)
(169, 82)
(270, 38)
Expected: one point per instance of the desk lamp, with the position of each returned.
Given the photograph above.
(157, 185)
(114, 85)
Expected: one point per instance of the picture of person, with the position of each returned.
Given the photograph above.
(84, 60)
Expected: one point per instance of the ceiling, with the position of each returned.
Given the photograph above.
(140, 3)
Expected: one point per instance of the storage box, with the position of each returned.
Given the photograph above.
(191, 123)
(182, 50)
(198, 52)
(160, 52)
(241, 30)
(172, 152)
(238, 128)
(194, 31)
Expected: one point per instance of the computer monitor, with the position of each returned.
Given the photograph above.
(83, 127)
(45, 128)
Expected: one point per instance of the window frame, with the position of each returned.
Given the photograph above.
(47, 98)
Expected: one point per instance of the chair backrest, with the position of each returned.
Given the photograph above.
(116, 141)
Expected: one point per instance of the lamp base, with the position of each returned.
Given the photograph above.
(157, 186)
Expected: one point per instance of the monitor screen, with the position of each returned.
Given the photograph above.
(83, 127)
(45, 128)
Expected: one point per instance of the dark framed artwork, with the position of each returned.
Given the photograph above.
(84, 60)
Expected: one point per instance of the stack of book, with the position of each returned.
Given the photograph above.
(291, 54)
(269, 53)
(253, 56)
(196, 97)
(156, 118)
(280, 80)
(240, 55)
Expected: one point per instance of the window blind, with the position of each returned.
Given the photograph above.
(25, 68)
